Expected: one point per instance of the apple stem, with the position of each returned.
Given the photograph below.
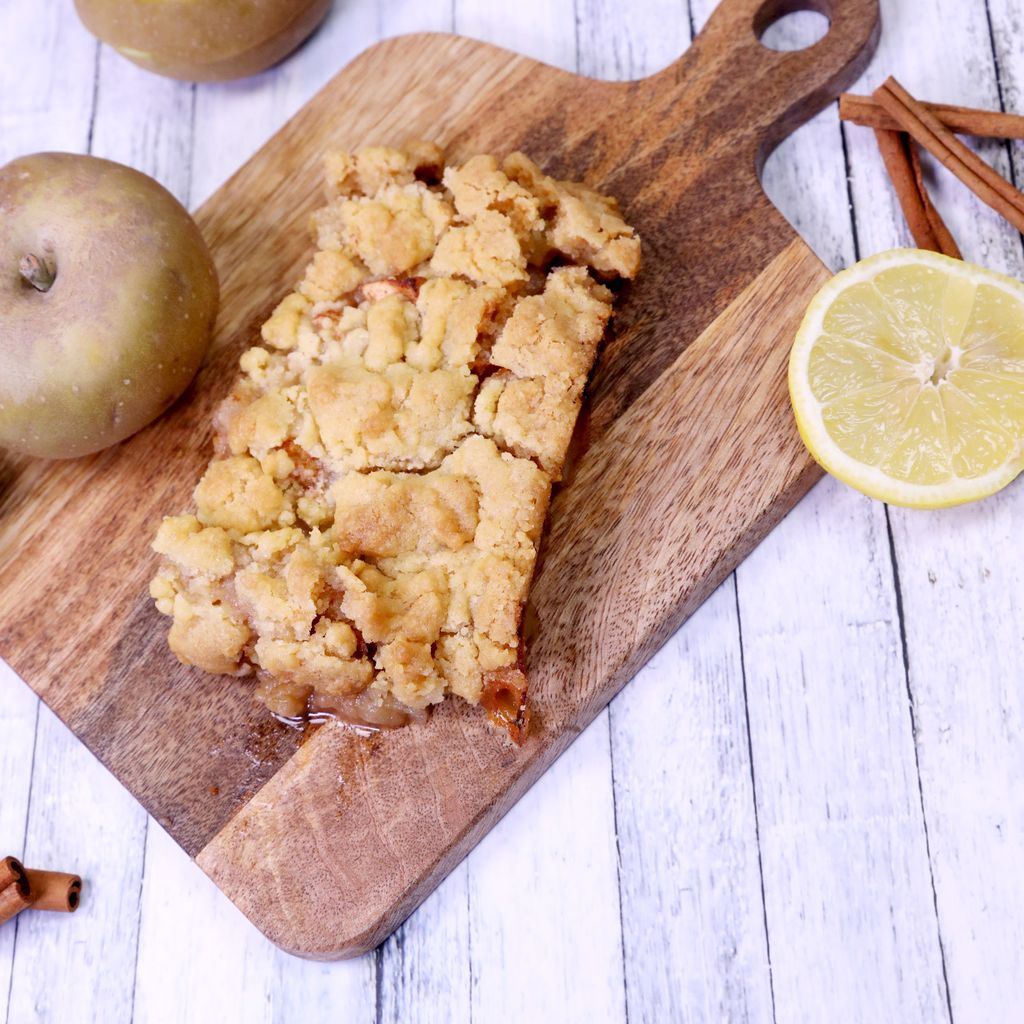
(40, 273)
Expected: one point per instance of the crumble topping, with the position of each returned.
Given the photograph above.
(365, 535)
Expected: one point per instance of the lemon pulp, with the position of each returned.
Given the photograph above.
(907, 378)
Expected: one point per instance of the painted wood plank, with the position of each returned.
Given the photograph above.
(233, 119)
(690, 891)
(543, 30)
(19, 709)
(1006, 19)
(46, 79)
(843, 846)
(46, 85)
(692, 912)
(153, 132)
(620, 41)
(560, 838)
(82, 819)
(395, 17)
(960, 572)
(201, 960)
(544, 880)
(424, 969)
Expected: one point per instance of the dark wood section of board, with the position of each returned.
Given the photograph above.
(690, 457)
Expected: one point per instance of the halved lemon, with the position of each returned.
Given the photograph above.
(907, 378)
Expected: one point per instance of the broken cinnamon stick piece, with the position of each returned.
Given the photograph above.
(13, 900)
(985, 182)
(984, 124)
(14, 889)
(10, 871)
(54, 890)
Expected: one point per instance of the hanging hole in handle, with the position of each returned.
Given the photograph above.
(787, 25)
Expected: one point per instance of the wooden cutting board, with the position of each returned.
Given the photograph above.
(689, 456)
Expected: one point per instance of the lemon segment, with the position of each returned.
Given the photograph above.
(907, 378)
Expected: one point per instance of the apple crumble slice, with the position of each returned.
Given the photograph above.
(365, 535)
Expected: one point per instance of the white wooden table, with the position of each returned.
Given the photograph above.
(808, 807)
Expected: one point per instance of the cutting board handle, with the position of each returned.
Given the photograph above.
(778, 90)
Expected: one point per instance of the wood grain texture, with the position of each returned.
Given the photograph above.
(692, 914)
(963, 570)
(691, 161)
(589, 976)
(20, 712)
(89, 825)
(828, 702)
(843, 846)
(959, 573)
(199, 960)
(694, 943)
(425, 970)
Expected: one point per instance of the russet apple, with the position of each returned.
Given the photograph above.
(108, 297)
(203, 40)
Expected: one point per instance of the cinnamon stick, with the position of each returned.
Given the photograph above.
(54, 890)
(13, 900)
(945, 239)
(904, 166)
(14, 889)
(10, 871)
(986, 183)
(985, 124)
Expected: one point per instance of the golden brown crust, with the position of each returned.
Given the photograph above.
(367, 532)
